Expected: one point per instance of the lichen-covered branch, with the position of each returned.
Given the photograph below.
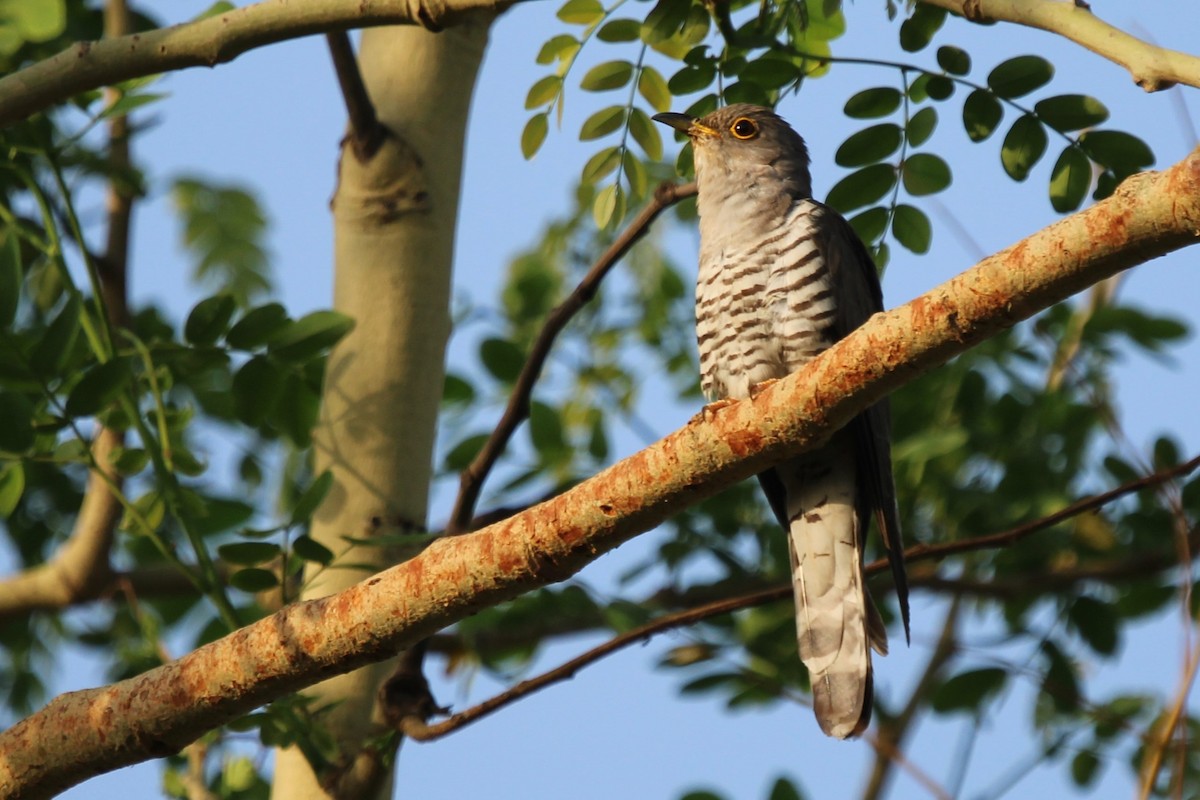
(160, 711)
(208, 42)
(1153, 68)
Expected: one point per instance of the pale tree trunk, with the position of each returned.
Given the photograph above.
(394, 219)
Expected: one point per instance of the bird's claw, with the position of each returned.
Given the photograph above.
(758, 388)
(709, 411)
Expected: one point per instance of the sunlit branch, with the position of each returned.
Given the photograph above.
(1153, 68)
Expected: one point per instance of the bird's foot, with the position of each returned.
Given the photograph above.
(757, 389)
(707, 413)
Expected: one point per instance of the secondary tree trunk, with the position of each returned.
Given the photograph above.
(394, 219)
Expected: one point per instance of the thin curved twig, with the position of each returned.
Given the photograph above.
(418, 728)
(517, 410)
(366, 132)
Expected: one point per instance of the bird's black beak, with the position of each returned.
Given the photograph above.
(680, 122)
(686, 124)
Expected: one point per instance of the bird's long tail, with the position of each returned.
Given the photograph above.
(836, 621)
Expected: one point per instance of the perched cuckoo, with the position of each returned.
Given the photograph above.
(783, 277)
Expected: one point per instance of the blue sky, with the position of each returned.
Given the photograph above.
(272, 119)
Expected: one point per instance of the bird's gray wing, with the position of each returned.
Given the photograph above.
(859, 296)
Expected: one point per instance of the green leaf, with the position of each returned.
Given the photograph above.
(253, 580)
(35, 22)
(692, 79)
(310, 335)
(298, 416)
(257, 389)
(209, 320)
(129, 102)
(862, 188)
(645, 133)
(502, 358)
(1060, 684)
(602, 123)
(1019, 76)
(601, 164)
(620, 30)
(248, 554)
(457, 390)
(873, 103)
(869, 145)
(636, 174)
(784, 790)
(581, 12)
(10, 276)
(98, 386)
(311, 498)
(1085, 768)
(1071, 112)
(463, 453)
(925, 173)
(543, 91)
(770, 72)
(982, 112)
(939, 87)
(559, 47)
(16, 422)
(653, 87)
(665, 20)
(257, 326)
(747, 92)
(1096, 622)
(911, 228)
(954, 60)
(917, 31)
(606, 76)
(130, 460)
(871, 223)
(546, 431)
(1122, 152)
(1023, 147)
(1069, 180)
(12, 486)
(967, 690)
(605, 205)
(55, 349)
(920, 126)
(311, 550)
(534, 135)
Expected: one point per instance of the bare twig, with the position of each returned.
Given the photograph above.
(366, 132)
(422, 731)
(888, 740)
(517, 410)
(920, 552)
(1153, 68)
(1157, 741)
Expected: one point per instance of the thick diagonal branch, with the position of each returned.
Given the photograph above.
(1153, 68)
(160, 711)
(208, 42)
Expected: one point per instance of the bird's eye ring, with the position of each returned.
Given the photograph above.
(744, 128)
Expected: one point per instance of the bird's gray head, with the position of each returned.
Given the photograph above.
(745, 148)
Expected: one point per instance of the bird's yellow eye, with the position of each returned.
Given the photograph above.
(744, 128)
